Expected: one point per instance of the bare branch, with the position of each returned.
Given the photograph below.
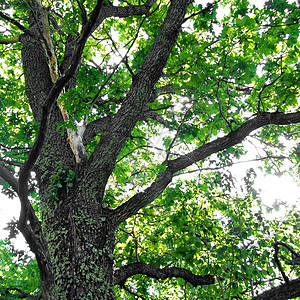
(173, 74)
(124, 59)
(177, 132)
(207, 9)
(109, 10)
(167, 89)
(233, 138)
(260, 103)
(233, 164)
(117, 66)
(127, 271)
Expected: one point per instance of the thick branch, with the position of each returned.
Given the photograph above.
(139, 200)
(167, 89)
(168, 272)
(109, 10)
(50, 100)
(142, 199)
(9, 178)
(96, 127)
(148, 113)
(281, 292)
(11, 162)
(131, 10)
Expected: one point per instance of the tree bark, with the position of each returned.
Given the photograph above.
(281, 292)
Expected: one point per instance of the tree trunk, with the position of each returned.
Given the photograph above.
(79, 233)
(81, 246)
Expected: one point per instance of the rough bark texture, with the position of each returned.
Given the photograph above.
(282, 292)
(141, 268)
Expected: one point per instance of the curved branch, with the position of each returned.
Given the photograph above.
(109, 10)
(233, 138)
(138, 201)
(167, 89)
(9, 178)
(127, 271)
(281, 292)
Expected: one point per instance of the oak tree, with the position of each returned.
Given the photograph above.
(107, 105)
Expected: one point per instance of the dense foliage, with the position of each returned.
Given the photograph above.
(157, 116)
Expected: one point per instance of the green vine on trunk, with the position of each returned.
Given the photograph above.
(62, 178)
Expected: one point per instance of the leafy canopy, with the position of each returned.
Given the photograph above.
(221, 73)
